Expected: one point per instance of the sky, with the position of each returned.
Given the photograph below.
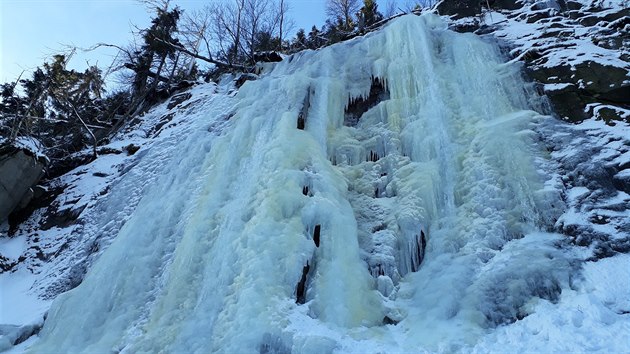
(32, 30)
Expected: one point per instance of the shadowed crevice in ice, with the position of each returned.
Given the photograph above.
(359, 105)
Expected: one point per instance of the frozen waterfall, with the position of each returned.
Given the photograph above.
(383, 194)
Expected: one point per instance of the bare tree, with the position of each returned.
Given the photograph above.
(238, 26)
(155, 5)
(179, 48)
(284, 23)
(195, 31)
(227, 28)
(230, 32)
(256, 14)
(343, 10)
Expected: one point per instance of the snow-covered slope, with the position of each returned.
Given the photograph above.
(51, 251)
(393, 193)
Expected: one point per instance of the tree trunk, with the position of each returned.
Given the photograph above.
(94, 141)
(170, 77)
(157, 74)
(281, 22)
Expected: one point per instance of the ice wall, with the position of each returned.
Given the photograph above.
(380, 194)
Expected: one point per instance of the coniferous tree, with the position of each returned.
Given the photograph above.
(300, 41)
(314, 38)
(11, 103)
(369, 13)
(158, 39)
(265, 41)
(334, 31)
(59, 107)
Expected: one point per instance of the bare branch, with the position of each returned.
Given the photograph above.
(201, 57)
(342, 9)
(54, 120)
(130, 55)
(94, 140)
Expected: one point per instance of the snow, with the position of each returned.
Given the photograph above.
(593, 317)
(27, 143)
(12, 247)
(16, 308)
(556, 87)
(493, 18)
(203, 235)
(609, 281)
(615, 4)
(66, 250)
(562, 41)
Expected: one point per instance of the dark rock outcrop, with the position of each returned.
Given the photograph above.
(243, 78)
(300, 289)
(67, 164)
(57, 217)
(585, 83)
(179, 98)
(131, 149)
(580, 81)
(459, 8)
(505, 4)
(20, 170)
(267, 57)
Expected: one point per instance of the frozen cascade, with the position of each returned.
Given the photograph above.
(417, 224)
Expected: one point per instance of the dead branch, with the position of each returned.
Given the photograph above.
(130, 55)
(94, 140)
(201, 57)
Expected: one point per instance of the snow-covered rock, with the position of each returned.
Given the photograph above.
(580, 53)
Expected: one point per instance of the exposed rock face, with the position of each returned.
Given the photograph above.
(460, 8)
(595, 175)
(583, 84)
(179, 98)
(267, 57)
(580, 54)
(243, 78)
(505, 4)
(19, 171)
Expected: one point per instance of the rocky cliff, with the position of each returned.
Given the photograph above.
(579, 52)
(20, 170)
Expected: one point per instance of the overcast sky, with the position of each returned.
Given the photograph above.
(32, 30)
